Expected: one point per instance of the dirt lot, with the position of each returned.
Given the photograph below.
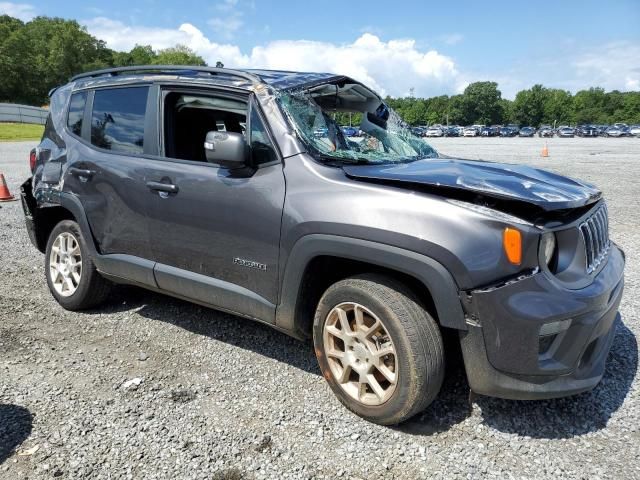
(222, 397)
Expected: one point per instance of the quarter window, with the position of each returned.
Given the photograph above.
(76, 112)
(261, 148)
(117, 120)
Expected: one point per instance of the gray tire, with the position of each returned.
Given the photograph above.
(384, 389)
(71, 274)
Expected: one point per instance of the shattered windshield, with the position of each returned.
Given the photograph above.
(379, 137)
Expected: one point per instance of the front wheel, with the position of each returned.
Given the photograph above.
(378, 348)
(71, 275)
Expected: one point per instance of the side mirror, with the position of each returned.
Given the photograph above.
(227, 149)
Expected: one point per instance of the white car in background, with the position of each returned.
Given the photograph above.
(434, 132)
(470, 132)
(634, 130)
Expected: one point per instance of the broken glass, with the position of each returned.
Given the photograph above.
(380, 141)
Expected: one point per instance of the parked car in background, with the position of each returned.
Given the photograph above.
(527, 131)
(546, 131)
(470, 132)
(634, 130)
(509, 131)
(453, 131)
(489, 132)
(435, 132)
(321, 132)
(566, 132)
(349, 131)
(587, 131)
(614, 131)
(418, 131)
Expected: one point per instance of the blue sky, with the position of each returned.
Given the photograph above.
(433, 47)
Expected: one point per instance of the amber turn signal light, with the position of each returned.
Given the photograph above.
(512, 243)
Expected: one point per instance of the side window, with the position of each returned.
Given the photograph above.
(76, 112)
(189, 116)
(117, 120)
(262, 150)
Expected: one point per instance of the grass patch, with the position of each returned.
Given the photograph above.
(11, 132)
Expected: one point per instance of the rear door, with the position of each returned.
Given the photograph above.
(214, 232)
(106, 166)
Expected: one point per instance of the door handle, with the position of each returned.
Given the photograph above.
(163, 187)
(81, 172)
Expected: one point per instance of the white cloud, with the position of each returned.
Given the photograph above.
(23, 11)
(230, 20)
(613, 66)
(452, 38)
(227, 5)
(226, 26)
(392, 67)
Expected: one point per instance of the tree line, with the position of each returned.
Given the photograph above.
(482, 103)
(45, 52)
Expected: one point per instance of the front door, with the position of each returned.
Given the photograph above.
(215, 232)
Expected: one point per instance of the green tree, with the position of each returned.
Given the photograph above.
(528, 106)
(415, 112)
(558, 107)
(482, 103)
(589, 106)
(139, 55)
(178, 55)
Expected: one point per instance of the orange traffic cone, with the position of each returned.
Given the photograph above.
(545, 151)
(5, 195)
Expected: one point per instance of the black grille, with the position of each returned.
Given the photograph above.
(595, 233)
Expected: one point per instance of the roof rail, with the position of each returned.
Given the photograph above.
(169, 69)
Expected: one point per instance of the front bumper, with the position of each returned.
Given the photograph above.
(503, 349)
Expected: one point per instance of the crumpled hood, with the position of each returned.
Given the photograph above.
(499, 180)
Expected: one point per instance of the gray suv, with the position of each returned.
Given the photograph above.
(238, 190)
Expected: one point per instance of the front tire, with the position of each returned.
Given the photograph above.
(71, 274)
(378, 348)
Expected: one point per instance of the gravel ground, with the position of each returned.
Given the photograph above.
(221, 397)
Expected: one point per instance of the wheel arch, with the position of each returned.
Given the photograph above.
(49, 215)
(306, 276)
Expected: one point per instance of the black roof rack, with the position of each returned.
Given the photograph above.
(169, 69)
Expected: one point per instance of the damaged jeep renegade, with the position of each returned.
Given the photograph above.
(239, 190)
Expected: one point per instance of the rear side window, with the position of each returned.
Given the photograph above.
(76, 112)
(117, 120)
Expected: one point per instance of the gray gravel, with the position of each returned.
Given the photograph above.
(152, 387)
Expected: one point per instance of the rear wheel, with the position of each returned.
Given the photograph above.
(71, 274)
(378, 348)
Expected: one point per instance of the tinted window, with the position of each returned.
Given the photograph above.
(76, 112)
(262, 150)
(117, 121)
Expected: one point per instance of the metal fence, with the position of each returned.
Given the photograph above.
(11, 112)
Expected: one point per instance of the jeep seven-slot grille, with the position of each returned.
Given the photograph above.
(595, 233)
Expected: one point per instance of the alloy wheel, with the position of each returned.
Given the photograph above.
(65, 264)
(360, 353)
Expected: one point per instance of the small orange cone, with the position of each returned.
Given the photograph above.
(545, 151)
(5, 195)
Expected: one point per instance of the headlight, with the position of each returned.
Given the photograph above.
(548, 248)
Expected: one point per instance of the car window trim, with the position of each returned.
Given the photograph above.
(144, 136)
(167, 88)
(65, 127)
(87, 141)
(248, 97)
(253, 104)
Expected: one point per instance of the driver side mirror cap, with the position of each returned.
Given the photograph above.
(227, 149)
